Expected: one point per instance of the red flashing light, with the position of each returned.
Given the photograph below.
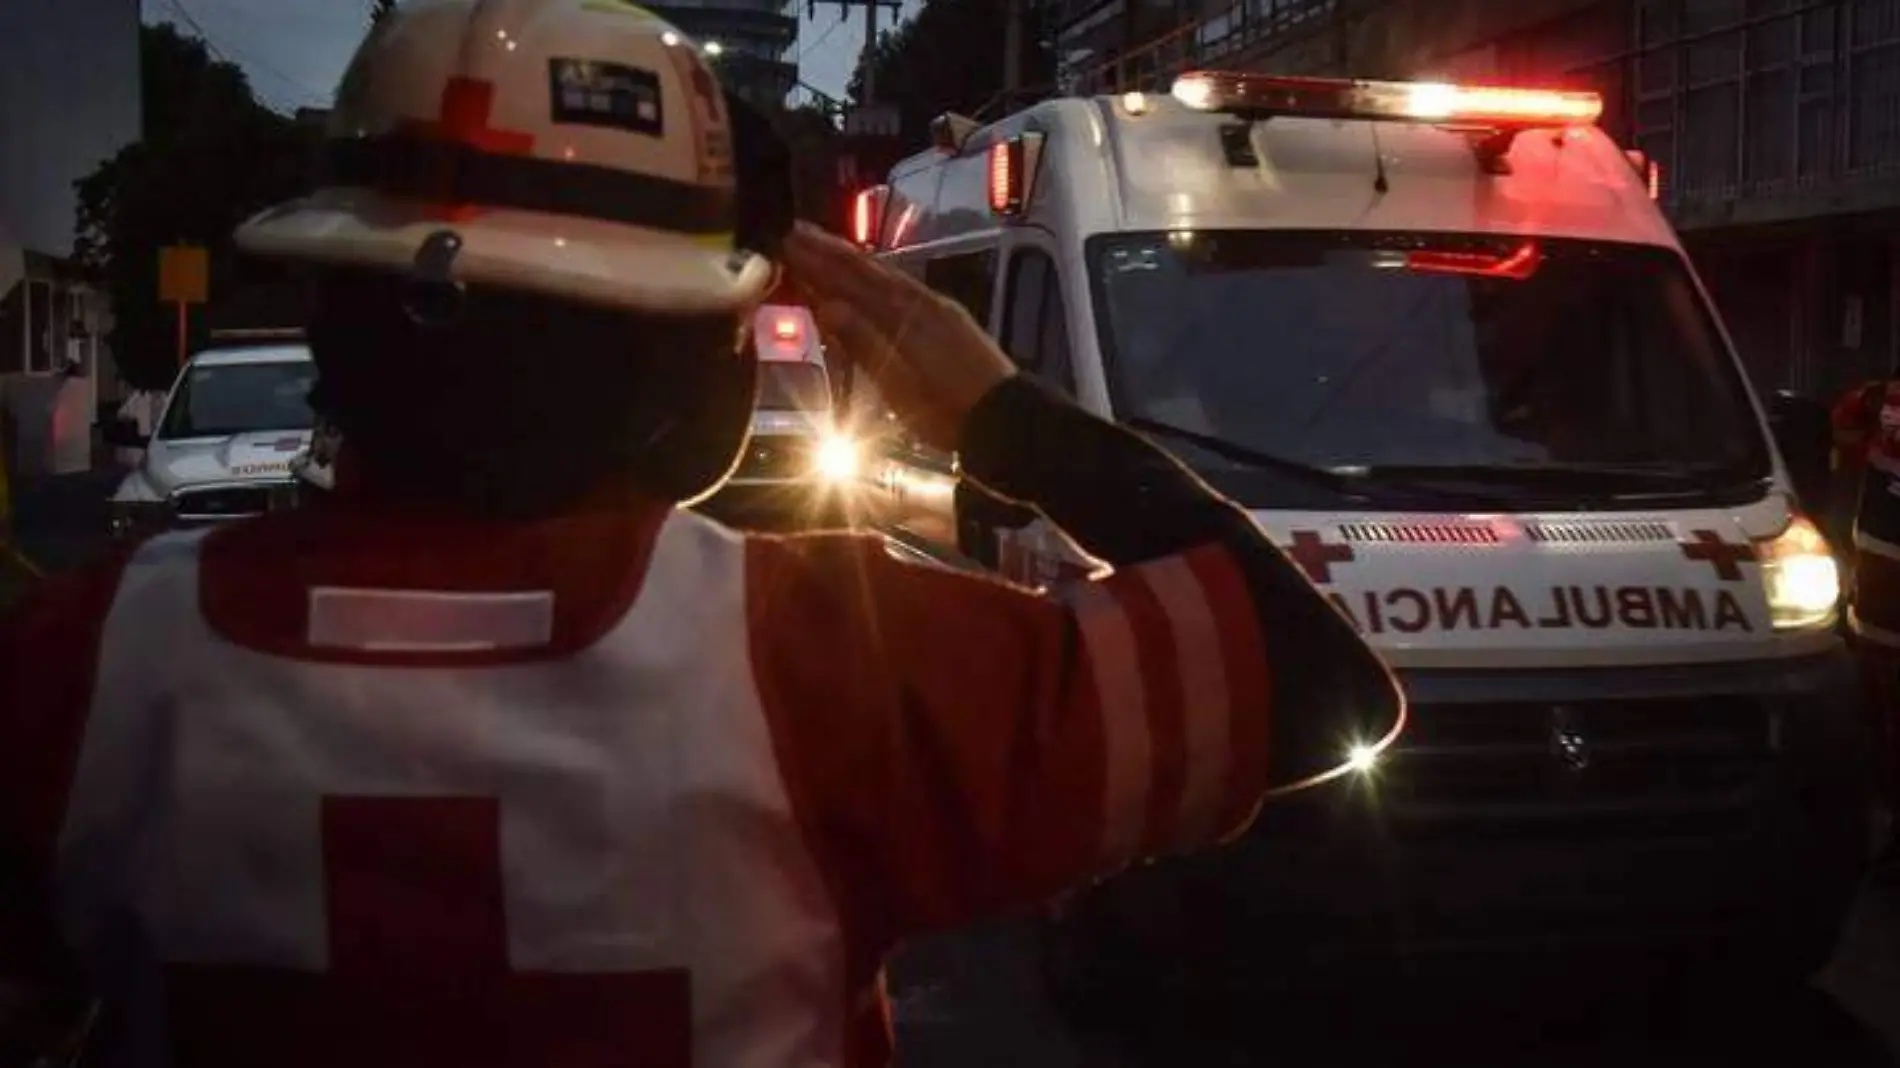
(1004, 194)
(861, 219)
(1517, 266)
(781, 331)
(867, 211)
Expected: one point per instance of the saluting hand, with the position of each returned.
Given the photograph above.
(931, 361)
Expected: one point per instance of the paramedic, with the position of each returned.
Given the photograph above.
(498, 757)
(1866, 422)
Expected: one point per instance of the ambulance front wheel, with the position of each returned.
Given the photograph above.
(1805, 911)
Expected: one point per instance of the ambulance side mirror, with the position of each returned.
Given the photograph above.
(122, 434)
(979, 516)
(1804, 437)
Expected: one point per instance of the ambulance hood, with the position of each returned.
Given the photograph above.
(1548, 590)
(261, 456)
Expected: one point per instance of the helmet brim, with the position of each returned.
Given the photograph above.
(584, 260)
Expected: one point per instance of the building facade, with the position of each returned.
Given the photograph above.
(1776, 125)
(69, 99)
(751, 43)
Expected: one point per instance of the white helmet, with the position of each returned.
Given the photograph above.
(576, 148)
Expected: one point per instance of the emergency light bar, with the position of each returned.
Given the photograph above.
(780, 331)
(1339, 98)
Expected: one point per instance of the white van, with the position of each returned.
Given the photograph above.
(222, 446)
(1442, 343)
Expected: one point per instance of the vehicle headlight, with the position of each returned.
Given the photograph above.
(127, 517)
(837, 458)
(1800, 577)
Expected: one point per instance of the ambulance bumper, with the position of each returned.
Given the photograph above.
(1535, 812)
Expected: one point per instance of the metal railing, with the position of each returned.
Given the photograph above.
(1783, 105)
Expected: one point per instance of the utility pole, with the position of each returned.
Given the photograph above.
(869, 92)
(1012, 52)
(870, 140)
(870, 54)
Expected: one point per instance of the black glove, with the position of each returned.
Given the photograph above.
(762, 169)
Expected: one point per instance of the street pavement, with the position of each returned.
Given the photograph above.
(972, 999)
(59, 523)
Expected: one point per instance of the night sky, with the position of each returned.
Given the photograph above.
(294, 50)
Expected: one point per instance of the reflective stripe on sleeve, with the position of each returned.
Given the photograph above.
(1108, 643)
(1206, 706)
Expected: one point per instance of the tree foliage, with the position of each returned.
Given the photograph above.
(949, 57)
(210, 156)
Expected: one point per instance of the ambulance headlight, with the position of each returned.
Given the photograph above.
(128, 518)
(1800, 577)
(837, 458)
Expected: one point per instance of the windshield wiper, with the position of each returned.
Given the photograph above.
(1351, 483)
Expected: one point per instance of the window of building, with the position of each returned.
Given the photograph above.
(13, 331)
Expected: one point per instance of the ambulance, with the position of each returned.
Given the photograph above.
(801, 468)
(223, 446)
(1443, 345)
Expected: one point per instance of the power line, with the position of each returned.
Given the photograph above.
(253, 64)
(210, 45)
(829, 30)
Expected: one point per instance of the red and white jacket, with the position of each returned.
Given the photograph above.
(346, 785)
(328, 789)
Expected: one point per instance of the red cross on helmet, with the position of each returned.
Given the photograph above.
(577, 148)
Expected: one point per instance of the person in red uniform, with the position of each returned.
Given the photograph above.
(1867, 447)
(496, 756)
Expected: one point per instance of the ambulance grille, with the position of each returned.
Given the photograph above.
(774, 457)
(1521, 766)
(1429, 533)
(217, 503)
(1598, 531)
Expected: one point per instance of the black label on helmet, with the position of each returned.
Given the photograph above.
(591, 93)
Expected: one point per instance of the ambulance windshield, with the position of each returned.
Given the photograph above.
(220, 399)
(1558, 368)
(787, 385)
